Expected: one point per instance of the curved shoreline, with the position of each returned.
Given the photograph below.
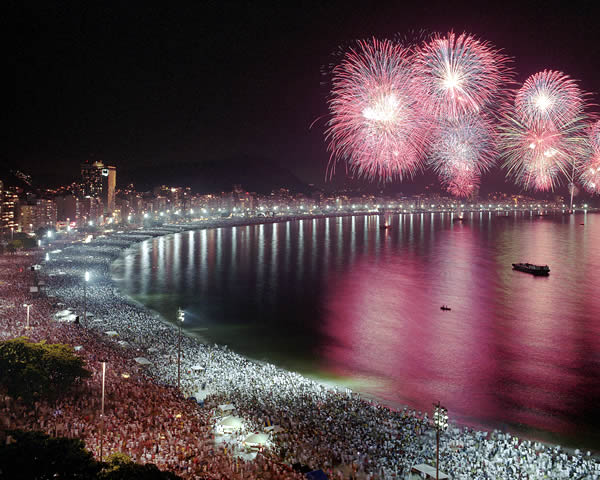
(113, 241)
(524, 430)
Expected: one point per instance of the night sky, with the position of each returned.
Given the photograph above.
(136, 86)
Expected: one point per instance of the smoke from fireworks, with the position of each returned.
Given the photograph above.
(590, 175)
(460, 74)
(463, 148)
(377, 124)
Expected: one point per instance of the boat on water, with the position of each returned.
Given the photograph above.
(385, 226)
(531, 268)
(446, 308)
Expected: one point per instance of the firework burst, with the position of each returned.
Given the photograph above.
(543, 137)
(377, 124)
(590, 174)
(549, 96)
(460, 74)
(463, 148)
(537, 156)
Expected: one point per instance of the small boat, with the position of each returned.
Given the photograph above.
(385, 226)
(446, 308)
(539, 270)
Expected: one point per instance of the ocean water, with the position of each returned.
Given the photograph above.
(341, 300)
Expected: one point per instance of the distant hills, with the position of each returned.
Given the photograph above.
(252, 173)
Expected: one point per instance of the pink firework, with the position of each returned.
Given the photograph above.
(537, 156)
(461, 75)
(462, 185)
(377, 124)
(462, 149)
(590, 173)
(549, 96)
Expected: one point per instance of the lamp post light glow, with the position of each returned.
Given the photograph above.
(28, 306)
(180, 317)
(86, 279)
(102, 411)
(440, 423)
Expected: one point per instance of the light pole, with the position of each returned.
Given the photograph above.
(86, 280)
(180, 317)
(102, 411)
(440, 422)
(27, 305)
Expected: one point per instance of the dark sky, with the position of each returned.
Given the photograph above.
(137, 86)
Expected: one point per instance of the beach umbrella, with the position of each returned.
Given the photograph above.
(274, 429)
(231, 421)
(256, 439)
(143, 361)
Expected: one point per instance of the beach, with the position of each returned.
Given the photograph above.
(323, 427)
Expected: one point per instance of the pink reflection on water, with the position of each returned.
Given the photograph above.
(505, 351)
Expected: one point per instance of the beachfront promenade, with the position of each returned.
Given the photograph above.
(147, 418)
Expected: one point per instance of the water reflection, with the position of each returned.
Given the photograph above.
(341, 296)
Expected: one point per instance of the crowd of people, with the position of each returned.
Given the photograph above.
(148, 418)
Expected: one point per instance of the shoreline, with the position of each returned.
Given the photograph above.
(115, 247)
(330, 382)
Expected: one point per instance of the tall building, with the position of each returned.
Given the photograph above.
(109, 183)
(91, 179)
(40, 213)
(9, 204)
(90, 210)
(99, 181)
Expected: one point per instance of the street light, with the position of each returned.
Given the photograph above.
(440, 423)
(102, 411)
(180, 317)
(86, 280)
(27, 305)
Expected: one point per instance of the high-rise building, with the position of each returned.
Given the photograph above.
(40, 213)
(109, 183)
(91, 179)
(9, 203)
(99, 181)
(90, 210)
